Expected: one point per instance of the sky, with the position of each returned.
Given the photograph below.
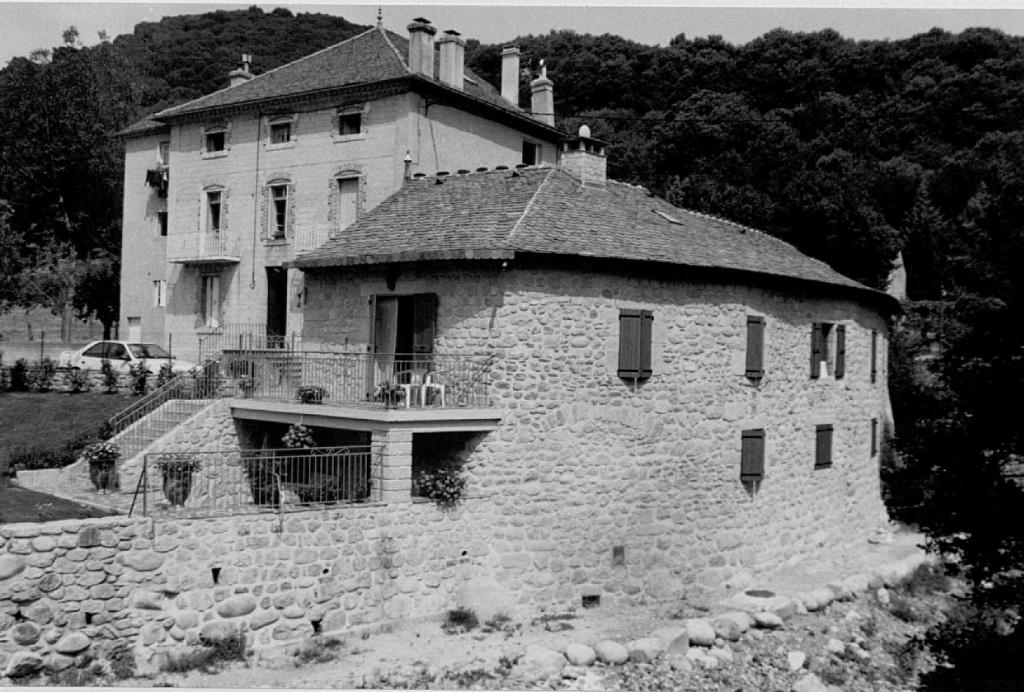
(31, 25)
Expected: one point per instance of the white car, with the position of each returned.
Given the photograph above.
(122, 354)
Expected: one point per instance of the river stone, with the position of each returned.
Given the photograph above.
(59, 662)
(580, 654)
(10, 565)
(811, 683)
(72, 643)
(89, 537)
(674, 640)
(611, 652)
(50, 582)
(796, 659)
(268, 617)
(236, 606)
(645, 650)
(722, 654)
(142, 561)
(731, 626)
(294, 611)
(700, 632)
(768, 621)
(540, 662)
(146, 600)
(218, 630)
(23, 663)
(25, 633)
(835, 646)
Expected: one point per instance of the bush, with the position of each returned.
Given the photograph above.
(45, 370)
(19, 375)
(37, 458)
(444, 485)
(79, 381)
(322, 489)
(298, 437)
(460, 620)
(310, 394)
(109, 376)
(211, 656)
(138, 373)
(165, 374)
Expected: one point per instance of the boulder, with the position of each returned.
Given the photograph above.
(796, 659)
(673, 639)
(820, 598)
(883, 596)
(22, 664)
(72, 643)
(810, 683)
(839, 591)
(834, 646)
(611, 652)
(580, 654)
(540, 662)
(731, 626)
(723, 655)
(646, 650)
(704, 660)
(700, 632)
(857, 583)
(25, 633)
(680, 663)
(236, 606)
(768, 621)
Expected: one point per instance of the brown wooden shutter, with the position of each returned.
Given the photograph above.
(823, 446)
(755, 346)
(752, 455)
(816, 350)
(840, 351)
(874, 436)
(874, 356)
(424, 320)
(629, 343)
(646, 329)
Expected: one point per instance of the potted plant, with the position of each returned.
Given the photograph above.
(102, 458)
(247, 385)
(177, 470)
(389, 393)
(298, 437)
(310, 394)
(444, 484)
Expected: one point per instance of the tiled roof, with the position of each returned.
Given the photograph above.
(545, 210)
(372, 56)
(142, 127)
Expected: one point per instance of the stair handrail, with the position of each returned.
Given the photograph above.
(198, 380)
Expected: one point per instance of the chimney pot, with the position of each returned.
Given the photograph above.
(421, 47)
(242, 73)
(453, 59)
(543, 97)
(583, 157)
(510, 74)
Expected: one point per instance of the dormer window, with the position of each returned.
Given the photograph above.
(215, 141)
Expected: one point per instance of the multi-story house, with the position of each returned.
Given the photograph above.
(222, 191)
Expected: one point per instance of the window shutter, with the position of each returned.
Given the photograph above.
(874, 436)
(823, 447)
(840, 351)
(755, 346)
(816, 338)
(874, 356)
(752, 455)
(646, 327)
(629, 343)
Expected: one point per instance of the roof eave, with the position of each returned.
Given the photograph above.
(313, 262)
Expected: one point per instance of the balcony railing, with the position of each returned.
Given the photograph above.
(311, 236)
(278, 480)
(199, 247)
(246, 336)
(391, 380)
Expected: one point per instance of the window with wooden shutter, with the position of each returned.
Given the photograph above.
(635, 327)
(874, 356)
(840, 368)
(817, 349)
(823, 446)
(874, 436)
(755, 347)
(752, 455)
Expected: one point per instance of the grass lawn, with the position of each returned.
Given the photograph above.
(48, 421)
(19, 504)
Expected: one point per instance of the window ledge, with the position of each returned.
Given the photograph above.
(214, 154)
(338, 139)
(282, 145)
(276, 241)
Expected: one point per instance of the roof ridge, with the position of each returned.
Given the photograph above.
(529, 205)
(387, 39)
(271, 71)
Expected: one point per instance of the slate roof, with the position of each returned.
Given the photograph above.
(372, 56)
(143, 127)
(498, 214)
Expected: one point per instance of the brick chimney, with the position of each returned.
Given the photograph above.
(242, 74)
(453, 59)
(421, 47)
(584, 157)
(510, 74)
(543, 97)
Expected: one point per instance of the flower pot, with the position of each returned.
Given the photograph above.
(103, 476)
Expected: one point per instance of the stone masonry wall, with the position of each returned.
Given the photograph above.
(594, 462)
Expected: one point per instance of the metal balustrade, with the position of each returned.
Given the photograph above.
(199, 246)
(393, 380)
(243, 481)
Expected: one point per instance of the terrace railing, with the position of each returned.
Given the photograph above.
(246, 336)
(203, 246)
(238, 482)
(396, 380)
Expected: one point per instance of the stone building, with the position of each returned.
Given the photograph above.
(220, 192)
